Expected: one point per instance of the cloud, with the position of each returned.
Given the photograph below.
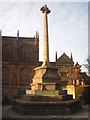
(68, 26)
(44, 1)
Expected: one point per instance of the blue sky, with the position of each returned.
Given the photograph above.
(67, 23)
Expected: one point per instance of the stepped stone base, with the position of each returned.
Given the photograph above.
(51, 102)
(47, 108)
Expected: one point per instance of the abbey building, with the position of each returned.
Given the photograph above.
(20, 56)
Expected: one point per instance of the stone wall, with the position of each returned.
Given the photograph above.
(71, 90)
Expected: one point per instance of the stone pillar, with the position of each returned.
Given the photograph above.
(46, 11)
(73, 82)
(17, 34)
(56, 56)
(46, 76)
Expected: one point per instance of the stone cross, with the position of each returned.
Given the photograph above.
(46, 11)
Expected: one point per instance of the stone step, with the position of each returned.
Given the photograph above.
(46, 92)
(46, 98)
(47, 108)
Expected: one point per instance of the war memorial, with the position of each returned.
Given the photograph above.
(46, 95)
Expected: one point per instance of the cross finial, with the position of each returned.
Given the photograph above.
(45, 8)
(46, 11)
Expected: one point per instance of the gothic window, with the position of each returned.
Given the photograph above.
(8, 52)
(21, 56)
(3, 55)
(25, 76)
(25, 56)
(5, 75)
(11, 56)
(29, 56)
(7, 55)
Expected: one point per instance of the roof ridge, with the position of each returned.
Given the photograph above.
(64, 58)
(16, 37)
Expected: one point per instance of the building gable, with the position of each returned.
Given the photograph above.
(64, 59)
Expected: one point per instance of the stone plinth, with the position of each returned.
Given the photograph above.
(46, 78)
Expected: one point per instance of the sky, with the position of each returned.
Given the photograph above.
(67, 26)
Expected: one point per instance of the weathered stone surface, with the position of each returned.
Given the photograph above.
(47, 108)
(8, 112)
(42, 98)
(43, 92)
(46, 92)
(45, 78)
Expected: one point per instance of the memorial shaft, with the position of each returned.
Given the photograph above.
(46, 11)
(46, 76)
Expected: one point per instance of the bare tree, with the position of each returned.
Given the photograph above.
(87, 65)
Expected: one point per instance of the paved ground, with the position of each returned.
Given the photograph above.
(8, 112)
